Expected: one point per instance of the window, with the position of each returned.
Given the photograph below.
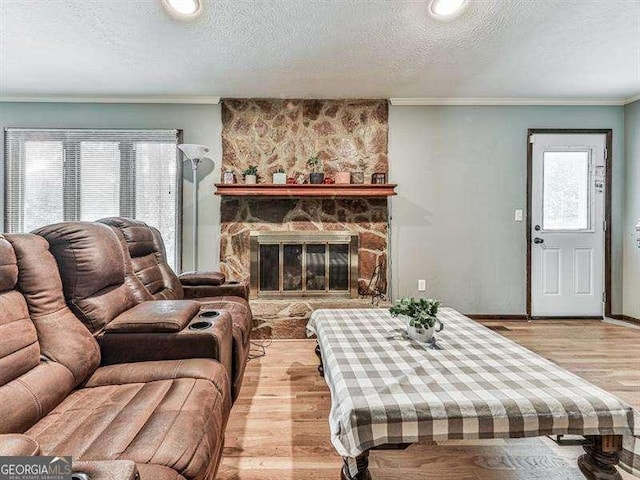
(566, 191)
(64, 175)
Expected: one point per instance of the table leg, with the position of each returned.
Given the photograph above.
(599, 463)
(320, 367)
(361, 464)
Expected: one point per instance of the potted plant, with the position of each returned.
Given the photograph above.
(358, 177)
(421, 317)
(250, 174)
(316, 176)
(279, 176)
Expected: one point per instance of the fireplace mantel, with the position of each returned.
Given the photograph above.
(306, 190)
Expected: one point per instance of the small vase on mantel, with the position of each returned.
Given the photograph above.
(250, 179)
(279, 178)
(357, 177)
(343, 178)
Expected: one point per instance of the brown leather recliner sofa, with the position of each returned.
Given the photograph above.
(163, 419)
(148, 258)
(117, 281)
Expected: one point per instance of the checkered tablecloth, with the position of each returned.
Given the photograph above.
(474, 383)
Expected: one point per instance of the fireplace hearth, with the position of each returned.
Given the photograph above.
(309, 264)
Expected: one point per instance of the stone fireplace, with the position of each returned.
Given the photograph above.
(312, 264)
(347, 135)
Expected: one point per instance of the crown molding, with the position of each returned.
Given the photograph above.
(510, 101)
(632, 99)
(109, 99)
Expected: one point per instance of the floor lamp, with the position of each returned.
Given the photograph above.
(194, 153)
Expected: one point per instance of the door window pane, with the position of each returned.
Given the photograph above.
(99, 180)
(43, 190)
(565, 191)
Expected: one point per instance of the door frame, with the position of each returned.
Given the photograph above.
(608, 132)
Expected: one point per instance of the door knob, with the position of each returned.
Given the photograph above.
(538, 240)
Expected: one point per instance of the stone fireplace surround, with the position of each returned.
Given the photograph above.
(285, 133)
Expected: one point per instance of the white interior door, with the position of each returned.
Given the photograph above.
(567, 222)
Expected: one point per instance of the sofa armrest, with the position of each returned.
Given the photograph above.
(194, 341)
(105, 470)
(227, 289)
(17, 444)
(202, 278)
(158, 316)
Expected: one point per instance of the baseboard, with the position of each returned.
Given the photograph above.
(484, 316)
(566, 318)
(625, 318)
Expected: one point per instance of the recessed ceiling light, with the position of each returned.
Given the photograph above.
(448, 8)
(183, 8)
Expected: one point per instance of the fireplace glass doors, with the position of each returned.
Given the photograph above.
(311, 264)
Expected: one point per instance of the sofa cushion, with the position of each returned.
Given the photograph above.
(140, 372)
(145, 248)
(61, 336)
(92, 266)
(8, 266)
(16, 444)
(176, 422)
(159, 316)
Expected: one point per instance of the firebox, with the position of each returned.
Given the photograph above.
(309, 264)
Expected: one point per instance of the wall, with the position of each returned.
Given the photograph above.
(201, 124)
(347, 135)
(461, 173)
(631, 256)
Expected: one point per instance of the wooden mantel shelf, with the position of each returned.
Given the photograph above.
(305, 190)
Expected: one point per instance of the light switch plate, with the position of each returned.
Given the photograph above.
(422, 285)
(519, 215)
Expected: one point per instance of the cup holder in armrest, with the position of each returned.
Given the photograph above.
(232, 282)
(209, 314)
(200, 325)
(79, 476)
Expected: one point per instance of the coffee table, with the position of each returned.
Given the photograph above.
(388, 391)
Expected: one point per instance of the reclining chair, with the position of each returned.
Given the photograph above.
(147, 255)
(127, 319)
(163, 420)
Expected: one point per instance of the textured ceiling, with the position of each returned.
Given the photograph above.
(321, 48)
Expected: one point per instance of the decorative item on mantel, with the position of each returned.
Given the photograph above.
(358, 177)
(250, 175)
(316, 176)
(279, 177)
(379, 178)
(343, 177)
(420, 315)
(228, 177)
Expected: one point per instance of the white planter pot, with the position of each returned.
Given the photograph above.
(279, 178)
(419, 335)
(422, 336)
(250, 179)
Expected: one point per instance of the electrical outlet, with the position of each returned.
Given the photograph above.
(422, 285)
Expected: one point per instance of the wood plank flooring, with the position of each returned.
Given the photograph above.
(278, 428)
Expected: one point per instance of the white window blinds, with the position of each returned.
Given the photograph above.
(56, 175)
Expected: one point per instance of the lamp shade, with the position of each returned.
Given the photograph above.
(193, 151)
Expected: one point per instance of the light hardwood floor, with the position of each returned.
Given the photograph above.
(279, 431)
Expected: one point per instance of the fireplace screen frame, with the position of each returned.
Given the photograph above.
(256, 239)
